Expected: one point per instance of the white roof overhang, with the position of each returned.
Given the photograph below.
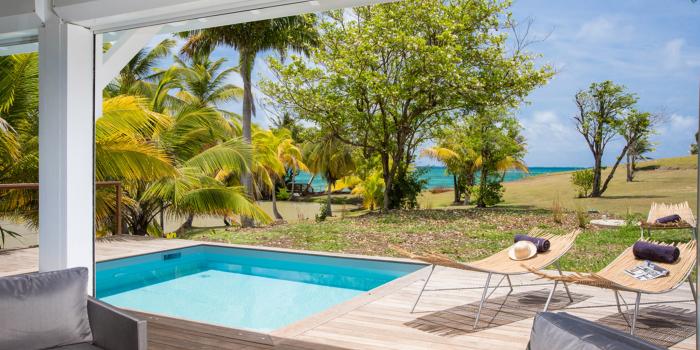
(20, 19)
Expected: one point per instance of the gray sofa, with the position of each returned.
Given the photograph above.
(564, 331)
(51, 310)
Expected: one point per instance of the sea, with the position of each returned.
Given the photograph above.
(438, 177)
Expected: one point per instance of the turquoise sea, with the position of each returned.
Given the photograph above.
(437, 176)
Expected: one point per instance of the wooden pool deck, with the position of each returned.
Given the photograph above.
(382, 319)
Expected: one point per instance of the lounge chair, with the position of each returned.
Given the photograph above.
(659, 210)
(614, 277)
(501, 264)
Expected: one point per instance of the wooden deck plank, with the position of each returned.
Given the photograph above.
(382, 321)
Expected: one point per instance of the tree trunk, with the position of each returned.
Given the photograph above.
(597, 170)
(456, 188)
(246, 64)
(308, 184)
(388, 182)
(630, 169)
(291, 195)
(330, 187)
(483, 184)
(469, 182)
(612, 171)
(275, 212)
(187, 224)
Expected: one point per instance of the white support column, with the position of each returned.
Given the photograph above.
(66, 146)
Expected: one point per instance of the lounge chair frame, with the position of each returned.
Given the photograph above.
(659, 210)
(600, 281)
(561, 244)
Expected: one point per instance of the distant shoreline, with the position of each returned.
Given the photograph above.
(438, 178)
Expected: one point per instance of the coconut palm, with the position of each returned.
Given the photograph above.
(204, 82)
(134, 78)
(249, 39)
(19, 147)
(330, 158)
(371, 190)
(460, 160)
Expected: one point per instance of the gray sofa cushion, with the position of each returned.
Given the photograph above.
(565, 331)
(81, 346)
(43, 310)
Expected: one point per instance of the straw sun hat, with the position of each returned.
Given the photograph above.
(522, 250)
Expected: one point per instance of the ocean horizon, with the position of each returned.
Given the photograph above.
(438, 177)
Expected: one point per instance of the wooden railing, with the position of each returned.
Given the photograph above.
(99, 184)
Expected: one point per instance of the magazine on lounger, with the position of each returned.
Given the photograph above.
(647, 271)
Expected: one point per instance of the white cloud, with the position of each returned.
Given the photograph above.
(605, 29)
(673, 55)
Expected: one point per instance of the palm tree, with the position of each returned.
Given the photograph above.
(204, 81)
(372, 190)
(511, 163)
(249, 39)
(134, 78)
(19, 146)
(330, 158)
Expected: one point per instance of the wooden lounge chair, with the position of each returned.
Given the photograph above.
(659, 210)
(501, 264)
(614, 277)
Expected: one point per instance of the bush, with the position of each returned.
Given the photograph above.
(493, 193)
(283, 194)
(324, 213)
(557, 211)
(406, 189)
(583, 181)
(581, 217)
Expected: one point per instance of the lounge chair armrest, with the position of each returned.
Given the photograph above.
(113, 329)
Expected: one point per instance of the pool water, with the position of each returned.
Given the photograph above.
(241, 288)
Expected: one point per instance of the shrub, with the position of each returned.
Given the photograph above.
(581, 217)
(283, 194)
(324, 213)
(583, 181)
(557, 211)
(406, 189)
(493, 193)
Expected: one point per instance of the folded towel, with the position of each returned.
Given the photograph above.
(541, 243)
(660, 253)
(668, 219)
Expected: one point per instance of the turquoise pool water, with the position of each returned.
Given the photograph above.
(240, 288)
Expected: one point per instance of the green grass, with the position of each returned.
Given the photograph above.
(669, 180)
(464, 234)
(469, 234)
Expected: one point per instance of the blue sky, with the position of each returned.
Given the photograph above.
(650, 46)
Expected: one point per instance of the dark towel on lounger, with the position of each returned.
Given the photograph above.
(541, 243)
(668, 219)
(655, 252)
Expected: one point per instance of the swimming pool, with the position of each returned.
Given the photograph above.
(260, 290)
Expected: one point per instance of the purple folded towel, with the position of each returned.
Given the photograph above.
(660, 253)
(668, 219)
(541, 243)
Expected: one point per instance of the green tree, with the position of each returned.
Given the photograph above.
(134, 78)
(250, 39)
(605, 111)
(330, 158)
(636, 129)
(384, 77)
(494, 135)
(600, 112)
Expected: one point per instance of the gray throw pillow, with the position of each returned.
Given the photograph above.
(43, 310)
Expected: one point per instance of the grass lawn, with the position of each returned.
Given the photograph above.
(667, 180)
(465, 234)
